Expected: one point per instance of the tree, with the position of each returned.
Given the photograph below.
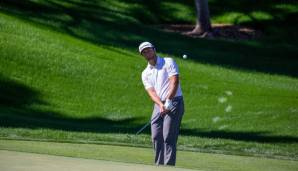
(203, 25)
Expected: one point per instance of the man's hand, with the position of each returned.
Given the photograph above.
(157, 100)
(162, 110)
(169, 105)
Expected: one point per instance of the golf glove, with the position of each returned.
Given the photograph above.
(169, 105)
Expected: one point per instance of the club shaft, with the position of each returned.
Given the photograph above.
(147, 124)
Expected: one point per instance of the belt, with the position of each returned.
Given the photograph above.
(175, 98)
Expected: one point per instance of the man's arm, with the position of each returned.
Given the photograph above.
(156, 99)
(174, 82)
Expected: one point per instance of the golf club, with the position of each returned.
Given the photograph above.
(148, 123)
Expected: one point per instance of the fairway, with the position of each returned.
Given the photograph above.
(20, 161)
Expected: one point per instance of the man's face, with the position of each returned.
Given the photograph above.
(149, 54)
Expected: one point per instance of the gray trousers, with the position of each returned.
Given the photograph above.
(165, 131)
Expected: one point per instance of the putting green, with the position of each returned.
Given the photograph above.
(123, 157)
(21, 161)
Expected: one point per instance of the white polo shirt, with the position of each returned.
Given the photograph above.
(158, 77)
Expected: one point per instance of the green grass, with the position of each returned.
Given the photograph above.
(72, 74)
(190, 160)
(34, 162)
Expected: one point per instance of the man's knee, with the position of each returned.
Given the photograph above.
(156, 136)
(169, 139)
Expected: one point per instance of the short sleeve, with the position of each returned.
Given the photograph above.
(172, 67)
(146, 81)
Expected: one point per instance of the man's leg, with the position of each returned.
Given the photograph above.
(171, 127)
(157, 137)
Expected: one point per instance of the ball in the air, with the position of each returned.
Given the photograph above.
(184, 56)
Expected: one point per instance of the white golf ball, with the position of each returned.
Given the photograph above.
(184, 56)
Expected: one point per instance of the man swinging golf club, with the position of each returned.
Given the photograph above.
(161, 81)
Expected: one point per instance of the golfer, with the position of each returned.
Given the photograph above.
(161, 81)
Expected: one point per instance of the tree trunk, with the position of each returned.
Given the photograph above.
(203, 25)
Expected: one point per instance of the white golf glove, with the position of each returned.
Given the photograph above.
(169, 105)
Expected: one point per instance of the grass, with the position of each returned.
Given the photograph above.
(34, 162)
(190, 160)
(72, 74)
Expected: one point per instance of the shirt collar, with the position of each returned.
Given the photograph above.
(158, 61)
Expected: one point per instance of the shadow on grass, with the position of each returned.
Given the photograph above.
(96, 22)
(16, 111)
(260, 137)
(14, 94)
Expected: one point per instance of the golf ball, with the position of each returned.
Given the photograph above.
(184, 56)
